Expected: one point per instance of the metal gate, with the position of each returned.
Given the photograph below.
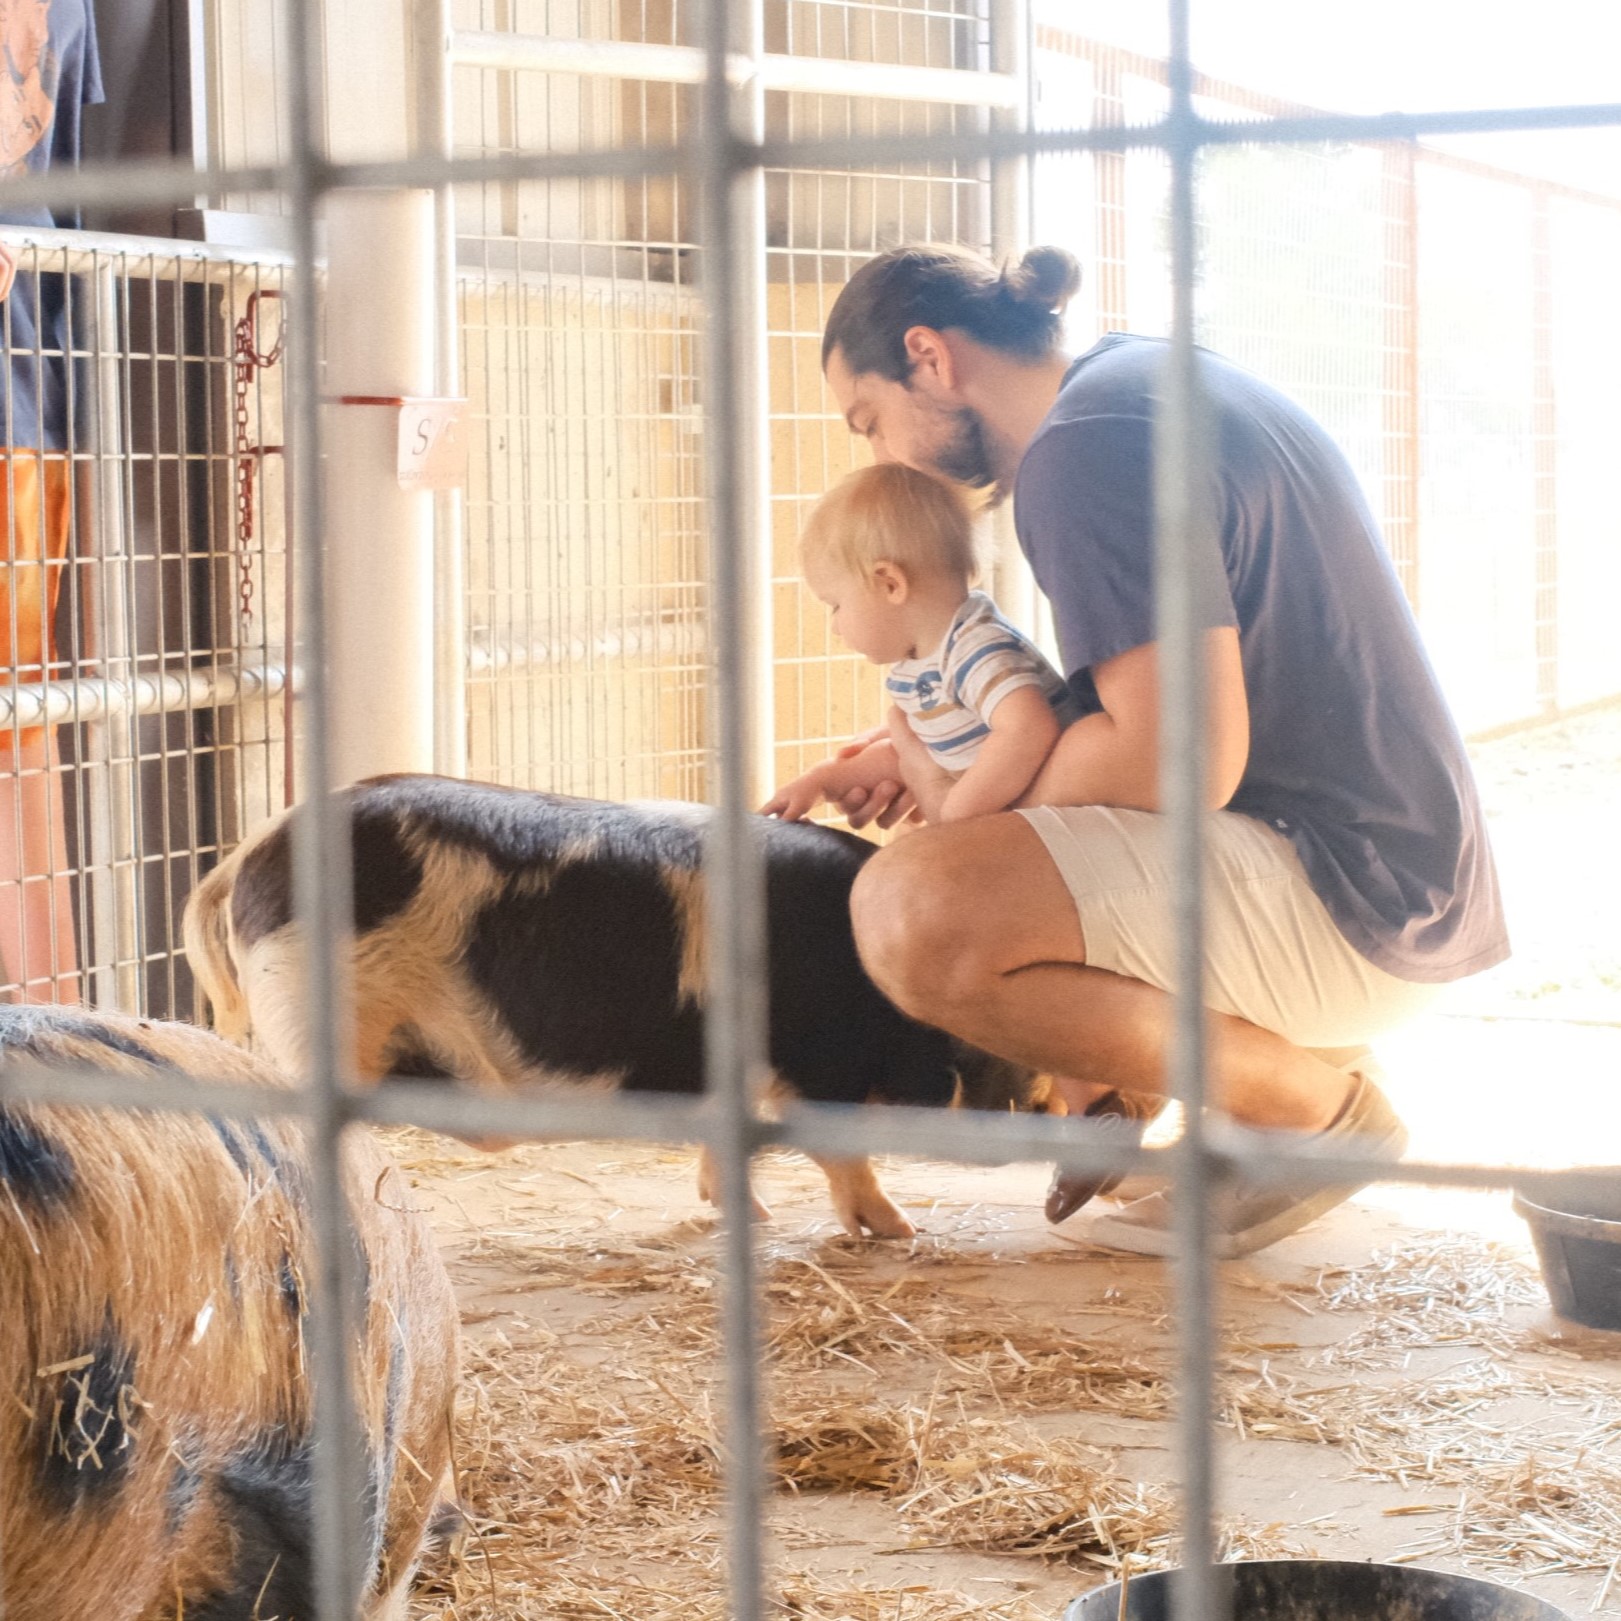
(142, 730)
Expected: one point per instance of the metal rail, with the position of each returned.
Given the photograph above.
(961, 1137)
(85, 252)
(61, 703)
(140, 184)
(682, 64)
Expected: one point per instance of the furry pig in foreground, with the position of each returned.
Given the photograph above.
(516, 939)
(155, 1443)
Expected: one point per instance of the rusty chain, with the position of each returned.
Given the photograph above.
(249, 358)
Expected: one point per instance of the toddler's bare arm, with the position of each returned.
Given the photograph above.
(1023, 729)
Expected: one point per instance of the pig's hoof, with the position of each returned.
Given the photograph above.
(709, 1187)
(878, 1217)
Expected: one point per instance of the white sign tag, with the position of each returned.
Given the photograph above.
(433, 444)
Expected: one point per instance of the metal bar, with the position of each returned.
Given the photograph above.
(599, 58)
(1380, 127)
(749, 314)
(159, 963)
(107, 698)
(683, 64)
(963, 1137)
(199, 50)
(84, 252)
(735, 1020)
(945, 87)
(194, 641)
(135, 185)
(321, 886)
(489, 654)
(114, 834)
(435, 137)
(1011, 227)
(131, 185)
(132, 817)
(1182, 532)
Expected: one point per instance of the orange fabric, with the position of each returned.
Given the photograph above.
(35, 514)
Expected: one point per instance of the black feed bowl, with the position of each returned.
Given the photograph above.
(1327, 1590)
(1578, 1249)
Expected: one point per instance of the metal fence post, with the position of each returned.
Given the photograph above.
(435, 138)
(733, 243)
(1182, 529)
(321, 880)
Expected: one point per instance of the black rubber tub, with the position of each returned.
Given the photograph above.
(1328, 1590)
(1579, 1249)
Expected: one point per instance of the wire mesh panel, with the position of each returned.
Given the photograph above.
(1476, 515)
(584, 544)
(579, 322)
(144, 588)
(1583, 346)
(1428, 310)
(821, 225)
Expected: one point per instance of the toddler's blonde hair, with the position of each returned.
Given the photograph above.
(889, 513)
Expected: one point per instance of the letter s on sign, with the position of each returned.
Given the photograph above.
(432, 449)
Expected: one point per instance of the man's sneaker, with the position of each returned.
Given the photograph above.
(1247, 1217)
(1129, 1115)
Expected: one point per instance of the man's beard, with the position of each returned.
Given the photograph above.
(964, 456)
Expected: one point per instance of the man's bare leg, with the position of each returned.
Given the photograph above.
(968, 926)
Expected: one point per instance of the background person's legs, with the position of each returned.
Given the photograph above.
(38, 951)
(38, 948)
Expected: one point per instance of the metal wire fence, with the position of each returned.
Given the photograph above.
(1440, 315)
(582, 250)
(142, 728)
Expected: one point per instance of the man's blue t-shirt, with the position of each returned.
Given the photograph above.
(1353, 753)
(49, 72)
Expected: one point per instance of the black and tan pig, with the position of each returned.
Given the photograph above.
(155, 1416)
(515, 939)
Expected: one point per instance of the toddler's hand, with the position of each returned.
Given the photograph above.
(795, 800)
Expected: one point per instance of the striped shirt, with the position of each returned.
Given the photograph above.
(949, 697)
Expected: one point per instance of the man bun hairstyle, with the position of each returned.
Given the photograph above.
(1047, 278)
(1018, 310)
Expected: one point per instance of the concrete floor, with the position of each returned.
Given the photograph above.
(1521, 1066)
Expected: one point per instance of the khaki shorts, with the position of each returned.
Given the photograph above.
(1273, 955)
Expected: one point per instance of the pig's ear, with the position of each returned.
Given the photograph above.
(1045, 1098)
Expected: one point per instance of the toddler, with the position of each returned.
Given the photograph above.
(976, 708)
